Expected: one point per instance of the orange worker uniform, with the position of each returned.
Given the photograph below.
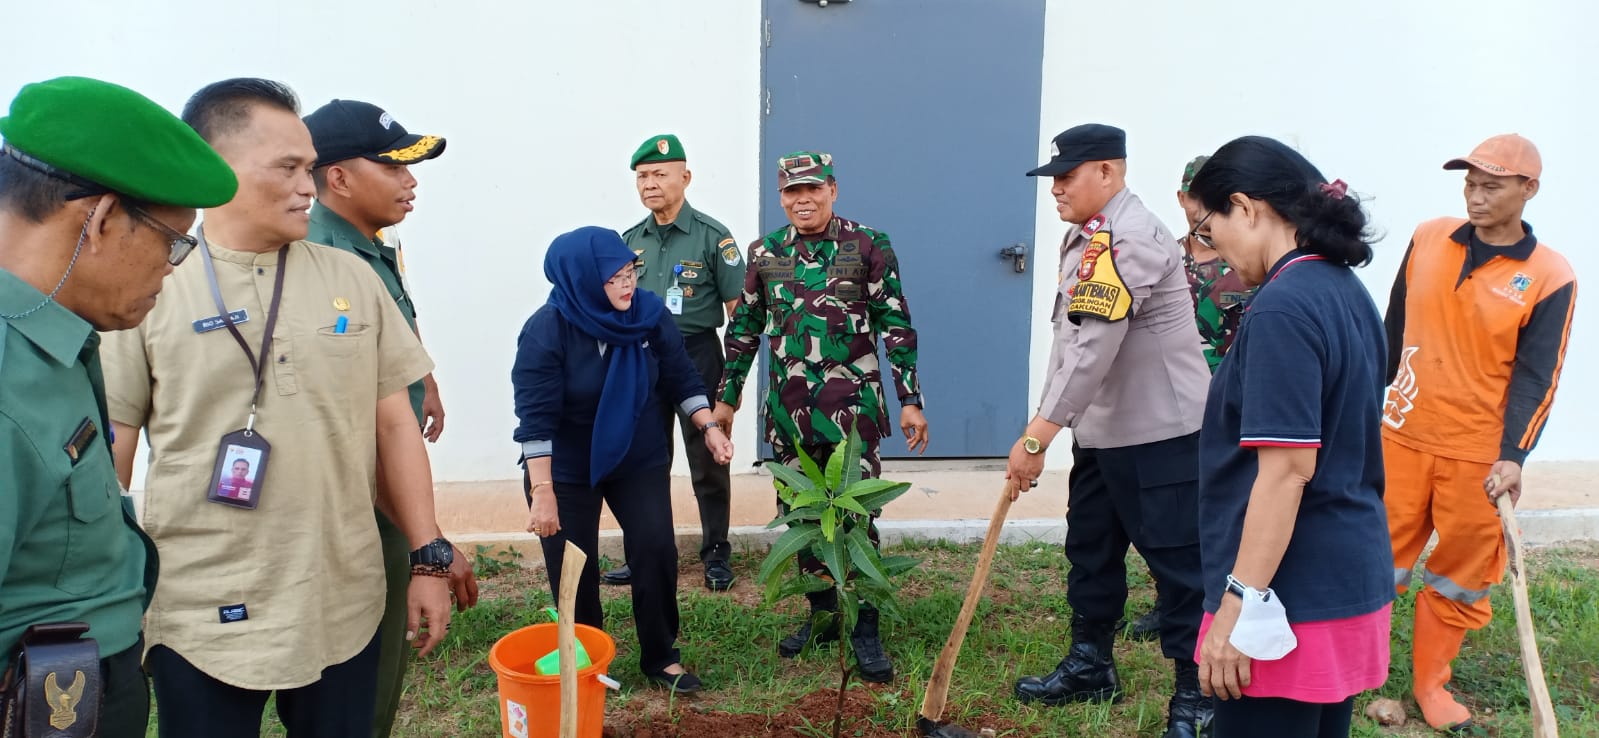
(1477, 335)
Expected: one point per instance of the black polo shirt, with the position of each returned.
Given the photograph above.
(1305, 370)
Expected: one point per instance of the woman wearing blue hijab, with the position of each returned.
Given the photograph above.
(597, 368)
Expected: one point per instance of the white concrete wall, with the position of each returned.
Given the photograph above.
(543, 103)
(1377, 93)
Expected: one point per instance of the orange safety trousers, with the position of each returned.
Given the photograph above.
(1427, 493)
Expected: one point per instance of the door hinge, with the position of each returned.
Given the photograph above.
(766, 32)
(768, 101)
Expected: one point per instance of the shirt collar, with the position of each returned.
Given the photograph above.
(1111, 211)
(834, 227)
(1289, 258)
(56, 330)
(1520, 250)
(323, 218)
(685, 216)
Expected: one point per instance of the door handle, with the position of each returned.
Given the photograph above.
(1017, 253)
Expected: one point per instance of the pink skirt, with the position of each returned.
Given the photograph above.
(1334, 660)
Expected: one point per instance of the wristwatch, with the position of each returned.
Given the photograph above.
(1032, 445)
(1239, 588)
(708, 426)
(437, 555)
(914, 398)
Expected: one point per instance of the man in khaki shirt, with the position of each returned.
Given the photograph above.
(283, 591)
(1126, 374)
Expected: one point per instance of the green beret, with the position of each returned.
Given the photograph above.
(664, 147)
(106, 137)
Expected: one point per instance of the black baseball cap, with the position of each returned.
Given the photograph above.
(1087, 142)
(350, 129)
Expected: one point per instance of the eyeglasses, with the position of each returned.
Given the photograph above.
(1203, 238)
(630, 276)
(179, 243)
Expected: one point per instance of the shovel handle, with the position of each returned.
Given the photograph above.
(572, 561)
(1542, 708)
(944, 668)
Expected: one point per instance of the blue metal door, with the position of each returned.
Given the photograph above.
(930, 109)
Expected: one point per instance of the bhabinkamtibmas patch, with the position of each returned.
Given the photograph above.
(1100, 292)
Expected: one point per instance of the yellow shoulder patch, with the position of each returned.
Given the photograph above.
(1100, 292)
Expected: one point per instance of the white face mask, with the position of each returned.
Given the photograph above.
(1262, 631)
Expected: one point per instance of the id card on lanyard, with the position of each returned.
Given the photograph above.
(239, 476)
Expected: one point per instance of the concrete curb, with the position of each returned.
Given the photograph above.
(1538, 527)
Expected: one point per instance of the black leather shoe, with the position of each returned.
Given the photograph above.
(718, 576)
(1190, 712)
(621, 575)
(871, 661)
(1146, 628)
(1087, 674)
(685, 683)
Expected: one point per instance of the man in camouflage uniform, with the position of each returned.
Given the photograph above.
(1219, 294)
(823, 289)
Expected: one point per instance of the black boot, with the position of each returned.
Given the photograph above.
(871, 661)
(1190, 712)
(1087, 674)
(825, 601)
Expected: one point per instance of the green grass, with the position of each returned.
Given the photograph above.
(1020, 628)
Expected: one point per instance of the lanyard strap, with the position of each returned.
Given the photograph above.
(258, 366)
(1296, 260)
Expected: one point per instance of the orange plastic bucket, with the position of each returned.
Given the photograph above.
(530, 703)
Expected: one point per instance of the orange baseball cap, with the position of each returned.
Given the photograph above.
(1504, 155)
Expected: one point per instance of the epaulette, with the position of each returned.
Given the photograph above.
(712, 222)
(639, 226)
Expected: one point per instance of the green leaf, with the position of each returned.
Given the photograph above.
(877, 500)
(794, 540)
(851, 505)
(852, 458)
(809, 466)
(830, 523)
(894, 566)
(804, 514)
(874, 592)
(867, 487)
(776, 581)
(813, 498)
(852, 615)
(790, 478)
(835, 469)
(833, 556)
(864, 556)
(804, 583)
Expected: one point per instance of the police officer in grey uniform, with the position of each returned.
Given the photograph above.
(690, 260)
(1126, 374)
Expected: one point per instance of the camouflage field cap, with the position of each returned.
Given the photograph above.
(804, 167)
(1192, 169)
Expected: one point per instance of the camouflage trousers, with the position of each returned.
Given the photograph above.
(871, 468)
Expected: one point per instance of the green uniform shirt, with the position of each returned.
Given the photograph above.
(713, 265)
(331, 229)
(70, 547)
(822, 302)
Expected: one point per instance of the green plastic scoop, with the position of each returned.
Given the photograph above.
(550, 664)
